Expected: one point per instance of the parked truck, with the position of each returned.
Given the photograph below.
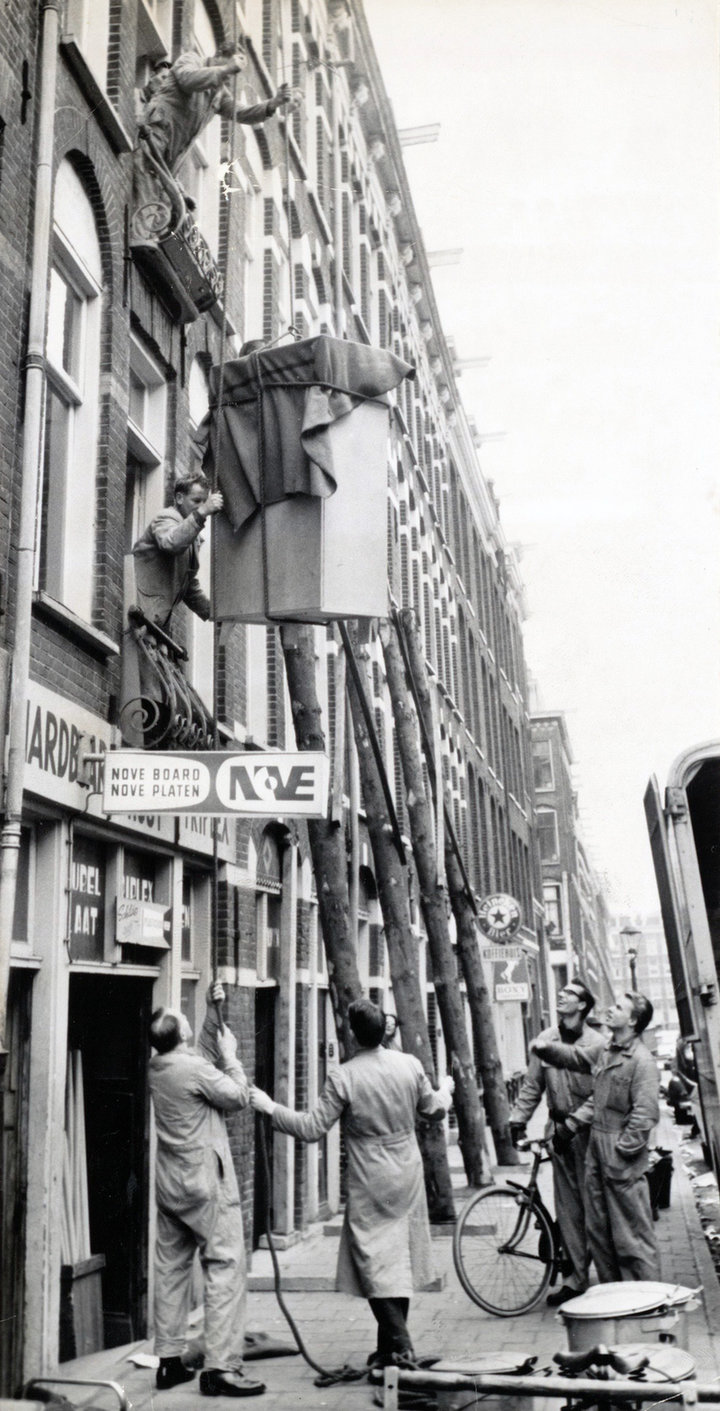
(684, 828)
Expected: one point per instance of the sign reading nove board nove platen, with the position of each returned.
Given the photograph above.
(216, 782)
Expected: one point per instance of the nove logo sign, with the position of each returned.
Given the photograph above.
(216, 782)
(257, 781)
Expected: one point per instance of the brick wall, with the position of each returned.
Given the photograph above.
(236, 906)
(241, 1019)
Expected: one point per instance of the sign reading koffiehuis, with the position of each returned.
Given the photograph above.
(216, 782)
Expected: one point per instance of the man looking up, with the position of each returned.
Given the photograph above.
(385, 1249)
(167, 556)
(198, 1205)
(566, 1093)
(624, 1111)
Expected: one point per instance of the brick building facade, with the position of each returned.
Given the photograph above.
(576, 912)
(330, 243)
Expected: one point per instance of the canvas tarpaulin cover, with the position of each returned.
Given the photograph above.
(278, 406)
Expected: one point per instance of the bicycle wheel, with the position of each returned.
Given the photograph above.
(504, 1248)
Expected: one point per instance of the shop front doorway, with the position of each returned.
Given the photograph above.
(108, 1023)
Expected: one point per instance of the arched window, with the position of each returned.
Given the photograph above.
(67, 548)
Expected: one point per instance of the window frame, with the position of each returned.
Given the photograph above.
(66, 542)
(92, 40)
(549, 814)
(552, 899)
(146, 453)
(539, 760)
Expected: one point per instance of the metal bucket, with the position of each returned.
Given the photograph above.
(669, 1326)
(628, 1313)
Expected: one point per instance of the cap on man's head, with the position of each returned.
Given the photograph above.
(161, 64)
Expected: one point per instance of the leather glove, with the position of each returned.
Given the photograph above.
(562, 1138)
(518, 1132)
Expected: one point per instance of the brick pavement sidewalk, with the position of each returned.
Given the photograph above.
(337, 1328)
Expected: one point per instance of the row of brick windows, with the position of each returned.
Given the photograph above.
(473, 687)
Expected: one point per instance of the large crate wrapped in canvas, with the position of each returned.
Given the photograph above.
(298, 443)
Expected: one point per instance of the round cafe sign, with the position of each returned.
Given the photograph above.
(499, 916)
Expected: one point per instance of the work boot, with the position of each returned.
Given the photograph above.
(217, 1382)
(403, 1354)
(171, 1372)
(562, 1295)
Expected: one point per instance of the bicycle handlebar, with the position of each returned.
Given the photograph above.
(537, 1145)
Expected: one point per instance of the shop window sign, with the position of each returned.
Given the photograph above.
(144, 917)
(87, 900)
(140, 878)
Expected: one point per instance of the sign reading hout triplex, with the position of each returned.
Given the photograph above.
(216, 782)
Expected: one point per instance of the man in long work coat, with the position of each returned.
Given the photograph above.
(385, 1248)
(566, 1093)
(623, 1111)
(166, 554)
(198, 1205)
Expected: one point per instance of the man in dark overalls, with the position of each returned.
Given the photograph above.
(625, 1109)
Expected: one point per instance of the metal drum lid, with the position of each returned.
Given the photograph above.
(487, 1365)
(622, 1300)
(666, 1363)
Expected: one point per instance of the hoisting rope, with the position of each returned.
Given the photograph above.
(215, 930)
(260, 402)
(325, 1377)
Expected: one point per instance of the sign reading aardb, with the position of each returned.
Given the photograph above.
(216, 782)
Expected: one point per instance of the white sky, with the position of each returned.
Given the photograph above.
(577, 166)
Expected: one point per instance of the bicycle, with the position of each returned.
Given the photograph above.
(507, 1247)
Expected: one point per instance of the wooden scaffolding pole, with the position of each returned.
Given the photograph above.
(463, 906)
(391, 880)
(326, 836)
(433, 901)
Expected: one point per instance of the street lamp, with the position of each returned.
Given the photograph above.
(632, 957)
(631, 935)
